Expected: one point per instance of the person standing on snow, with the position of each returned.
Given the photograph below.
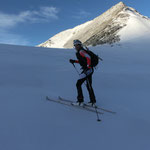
(84, 59)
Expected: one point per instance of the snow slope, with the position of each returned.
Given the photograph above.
(60, 39)
(87, 30)
(29, 122)
(118, 24)
(138, 27)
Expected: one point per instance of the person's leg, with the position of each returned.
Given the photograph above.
(90, 88)
(79, 89)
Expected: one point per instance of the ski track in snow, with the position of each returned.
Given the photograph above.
(29, 122)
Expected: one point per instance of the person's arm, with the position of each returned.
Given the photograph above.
(76, 61)
(87, 56)
(73, 61)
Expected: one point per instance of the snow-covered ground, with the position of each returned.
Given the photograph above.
(138, 27)
(128, 23)
(88, 29)
(60, 39)
(29, 122)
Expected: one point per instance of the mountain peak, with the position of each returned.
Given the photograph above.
(103, 29)
(121, 4)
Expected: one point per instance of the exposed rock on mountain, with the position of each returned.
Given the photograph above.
(106, 28)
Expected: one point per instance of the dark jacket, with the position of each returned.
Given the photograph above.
(83, 58)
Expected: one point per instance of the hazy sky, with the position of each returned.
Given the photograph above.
(31, 22)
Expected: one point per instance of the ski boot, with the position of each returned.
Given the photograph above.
(92, 104)
(78, 104)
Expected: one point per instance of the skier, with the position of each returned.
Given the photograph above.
(84, 59)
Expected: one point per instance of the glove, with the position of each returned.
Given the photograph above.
(72, 61)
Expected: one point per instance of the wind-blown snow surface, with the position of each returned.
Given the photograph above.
(29, 122)
(138, 27)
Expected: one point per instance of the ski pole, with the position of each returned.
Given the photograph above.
(77, 71)
(75, 68)
(98, 119)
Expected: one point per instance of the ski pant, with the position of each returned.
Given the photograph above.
(88, 77)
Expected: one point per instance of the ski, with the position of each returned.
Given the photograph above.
(67, 103)
(87, 106)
